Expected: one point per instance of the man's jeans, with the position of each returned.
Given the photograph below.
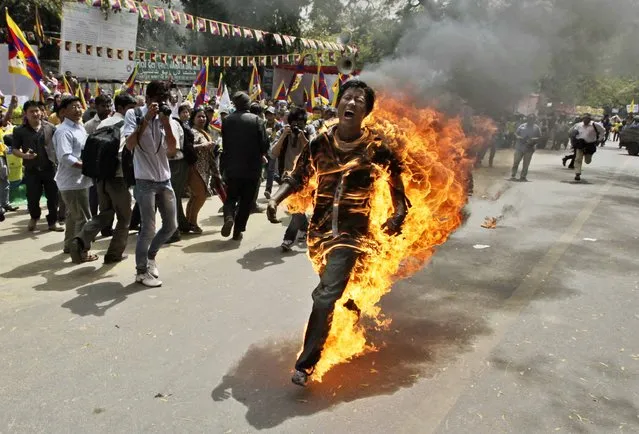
(333, 280)
(114, 200)
(149, 195)
(527, 157)
(299, 222)
(78, 213)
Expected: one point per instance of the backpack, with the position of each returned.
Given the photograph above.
(100, 153)
(127, 155)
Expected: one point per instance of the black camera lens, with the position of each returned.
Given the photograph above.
(165, 110)
(296, 130)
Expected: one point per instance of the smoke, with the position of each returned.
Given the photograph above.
(487, 54)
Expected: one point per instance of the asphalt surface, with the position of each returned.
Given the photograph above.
(535, 333)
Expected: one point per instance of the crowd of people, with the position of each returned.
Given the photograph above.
(167, 150)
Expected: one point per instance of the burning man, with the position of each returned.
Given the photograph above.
(342, 159)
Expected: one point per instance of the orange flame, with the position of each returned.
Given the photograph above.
(432, 149)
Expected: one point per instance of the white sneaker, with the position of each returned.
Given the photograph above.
(147, 279)
(152, 268)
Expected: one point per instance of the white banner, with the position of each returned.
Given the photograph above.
(86, 25)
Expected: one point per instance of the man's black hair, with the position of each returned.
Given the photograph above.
(256, 109)
(122, 100)
(158, 90)
(27, 105)
(102, 99)
(67, 101)
(356, 83)
(297, 114)
(242, 101)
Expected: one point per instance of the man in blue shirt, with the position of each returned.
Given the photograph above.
(527, 136)
(68, 141)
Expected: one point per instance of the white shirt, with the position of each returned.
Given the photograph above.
(68, 141)
(92, 125)
(588, 133)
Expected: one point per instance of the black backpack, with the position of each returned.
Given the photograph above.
(100, 153)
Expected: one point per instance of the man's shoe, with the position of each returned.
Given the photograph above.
(175, 238)
(522, 179)
(228, 225)
(512, 178)
(563, 161)
(571, 166)
(287, 245)
(578, 177)
(152, 268)
(55, 227)
(147, 279)
(10, 207)
(300, 378)
(32, 225)
(238, 236)
(76, 250)
(2, 217)
(106, 233)
(257, 209)
(114, 259)
(195, 229)
(267, 194)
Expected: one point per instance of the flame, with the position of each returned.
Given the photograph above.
(432, 149)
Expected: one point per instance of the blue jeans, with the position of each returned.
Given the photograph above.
(149, 195)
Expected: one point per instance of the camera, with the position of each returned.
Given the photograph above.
(165, 110)
(296, 130)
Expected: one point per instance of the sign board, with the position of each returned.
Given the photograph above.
(88, 26)
(14, 84)
(632, 108)
(181, 73)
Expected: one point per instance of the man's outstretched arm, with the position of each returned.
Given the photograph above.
(293, 182)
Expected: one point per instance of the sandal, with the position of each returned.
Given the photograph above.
(90, 257)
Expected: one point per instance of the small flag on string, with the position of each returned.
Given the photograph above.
(131, 7)
(116, 5)
(145, 12)
(190, 21)
(247, 33)
(176, 17)
(159, 14)
(226, 29)
(215, 29)
(201, 25)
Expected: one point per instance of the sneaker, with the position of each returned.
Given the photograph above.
(287, 245)
(578, 177)
(32, 225)
(300, 378)
(228, 225)
(152, 268)
(238, 236)
(55, 227)
(267, 194)
(147, 279)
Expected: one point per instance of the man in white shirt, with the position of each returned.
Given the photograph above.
(114, 198)
(68, 142)
(152, 136)
(585, 138)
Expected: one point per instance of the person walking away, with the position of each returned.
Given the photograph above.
(33, 142)
(152, 136)
(204, 168)
(287, 147)
(273, 126)
(69, 140)
(586, 136)
(607, 124)
(245, 147)
(179, 164)
(113, 196)
(526, 136)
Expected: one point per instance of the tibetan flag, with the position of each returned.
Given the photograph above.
(201, 25)
(145, 11)
(80, 95)
(216, 124)
(255, 89)
(297, 77)
(129, 85)
(131, 7)
(190, 21)
(322, 88)
(38, 29)
(87, 91)
(200, 85)
(281, 93)
(335, 89)
(215, 28)
(159, 14)
(313, 92)
(220, 87)
(176, 17)
(308, 103)
(116, 5)
(22, 58)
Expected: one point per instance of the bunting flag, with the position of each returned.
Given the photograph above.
(220, 86)
(159, 14)
(145, 11)
(89, 50)
(248, 34)
(322, 87)
(200, 85)
(201, 25)
(131, 56)
(226, 29)
(129, 85)
(116, 5)
(176, 18)
(130, 6)
(190, 21)
(237, 32)
(78, 48)
(215, 28)
(38, 29)
(216, 61)
(281, 94)
(109, 52)
(278, 39)
(22, 58)
(98, 51)
(255, 89)
(120, 54)
(163, 58)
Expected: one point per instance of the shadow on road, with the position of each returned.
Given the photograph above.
(212, 246)
(97, 298)
(259, 259)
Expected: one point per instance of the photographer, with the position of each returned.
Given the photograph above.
(152, 136)
(287, 146)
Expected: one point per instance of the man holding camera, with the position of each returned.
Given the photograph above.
(152, 136)
(287, 147)
(585, 137)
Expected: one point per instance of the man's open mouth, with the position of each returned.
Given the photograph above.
(349, 114)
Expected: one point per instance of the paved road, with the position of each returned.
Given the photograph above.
(536, 333)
